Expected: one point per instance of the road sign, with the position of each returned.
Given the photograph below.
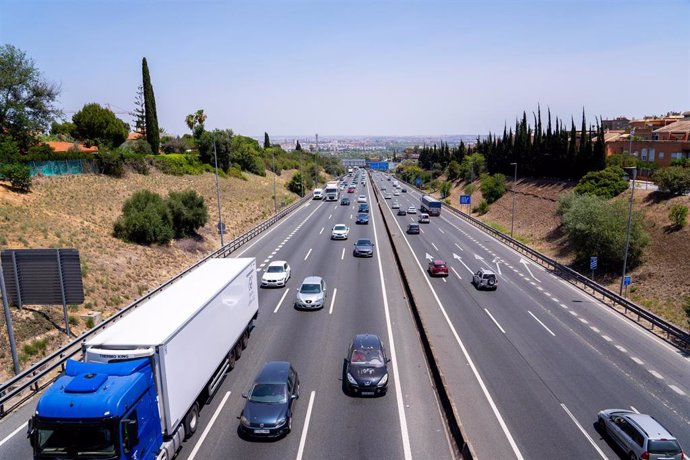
(627, 281)
(418, 181)
(221, 227)
(592, 262)
(465, 199)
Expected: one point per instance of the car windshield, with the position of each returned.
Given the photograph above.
(271, 393)
(310, 289)
(664, 446)
(71, 441)
(367, 357)
(363, 243)
(275, 269)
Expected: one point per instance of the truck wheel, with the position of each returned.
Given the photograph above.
(231, 359)
(238, 349)
(245, 339)
(191, 420)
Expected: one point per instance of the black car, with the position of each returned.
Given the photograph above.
(413, 229)
(363, 218)
(363, 207)
(404, 190)
(366, 370)
(345, 201)
(363, 248)
(268, 411)
(402, 212)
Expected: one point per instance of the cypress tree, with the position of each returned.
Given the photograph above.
(267, 141)
(152, 132)
(298, 147)
(572, 151)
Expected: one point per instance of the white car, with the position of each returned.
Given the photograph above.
(412, 210)
(361, 199)
(395, 205)
(276, 274)
(396, 193)
(423, 218)
(340, 232)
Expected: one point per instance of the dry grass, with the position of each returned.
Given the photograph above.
(79, 212)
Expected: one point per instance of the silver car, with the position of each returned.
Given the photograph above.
(311, 295)
(640, 436)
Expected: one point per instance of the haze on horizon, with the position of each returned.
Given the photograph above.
(361, 68)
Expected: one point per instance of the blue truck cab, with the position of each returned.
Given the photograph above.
(100, 411)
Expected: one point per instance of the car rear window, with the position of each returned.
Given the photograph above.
(664, 446)
(310, 288)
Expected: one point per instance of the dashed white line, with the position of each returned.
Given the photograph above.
(656, 374)
(458, 246)
(329, 216)
(564, 306)
(280, 302)
(192, 455)
(677, 390)
(607, 338)
(266, 261)
(494, 320)
(583, 321)
(589, 438)
(595, 329)
(542, 324)
(322, 229)
(444, 280)
(335, 292)
(303, 438)
(637, 360)
(441, 230)
(573, 313)
(342, 256)
(434, 246)
(621, 349)
(305, 257)
(456, 273)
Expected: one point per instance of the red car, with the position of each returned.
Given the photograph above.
(351, 190)
(437, 267)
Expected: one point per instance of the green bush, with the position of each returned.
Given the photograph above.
(683, 162)
(178, 164)
(188, 212)
(493, 187)
(145, 219)
(111, 164)
(678, 215)
(295, 184)
(674, 180)
(564, 203)
(89, 323)
(686, 307)
(19, 176)
(597, 227)
(9, 152)
(445, 189)
(73, 320)
(35, 347)
(469, 189)
(606, 183)
(482, 208)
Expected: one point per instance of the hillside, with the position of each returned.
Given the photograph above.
(660, 284)
(79, 212)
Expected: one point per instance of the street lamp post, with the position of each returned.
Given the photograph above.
(512, 219)
(316, 162)
(632, 169)
(275, 198)
(220, 217)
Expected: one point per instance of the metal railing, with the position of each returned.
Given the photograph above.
(662, 328)
(23, 386)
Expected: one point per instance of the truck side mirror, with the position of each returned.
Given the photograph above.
(132, 429)
(30, 431)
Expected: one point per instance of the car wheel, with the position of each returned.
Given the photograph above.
(601, 426)
(633, 456)
(231, 359)
(289, 427)
(238, 349)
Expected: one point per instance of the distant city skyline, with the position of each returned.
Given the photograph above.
(379, 68)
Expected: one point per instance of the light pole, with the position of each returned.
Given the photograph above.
(220, 217)
(316, 162)
(301, 171)
(632, 169)
(512, 219)
(275, 198)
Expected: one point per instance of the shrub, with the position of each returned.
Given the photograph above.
(145, 219)
(178, 164)
(678, 215)
(188, 212)
(493, 187)
(564, 203)
(9, 152)
(674, 180)
(686, 307)
(445, 189)
(89, 323)
(482, 208)
(19, 176)
(469, 189)
(606, 183)
(139, 146)
(73, 320)
(111, 164)
(173, 145)
(295, 184)
(35, 347)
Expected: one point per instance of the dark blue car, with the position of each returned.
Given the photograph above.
(269, 407)
(363, 218)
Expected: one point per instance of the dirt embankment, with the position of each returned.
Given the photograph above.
(79, 212)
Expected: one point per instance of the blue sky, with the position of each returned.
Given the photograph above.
(361, 67)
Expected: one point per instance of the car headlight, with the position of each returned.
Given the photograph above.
(244, 421)
(351, 379)
(383, 381)
(281, 421)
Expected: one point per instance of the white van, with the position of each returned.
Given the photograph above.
(318, 194)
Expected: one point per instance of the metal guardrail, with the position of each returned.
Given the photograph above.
(662, 328)
(24, 385)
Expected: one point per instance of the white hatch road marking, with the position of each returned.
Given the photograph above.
(322, 229)
(677, 390)
(494, 320)
(656, 374)
(303, 438)
(434, 247)
(208, 427)
(21, 427)
(280, 302)
(330, 310)
(637, 360)
(342, 256)
(456, 273)
(589, 438)
(542, 324)
(307, 256)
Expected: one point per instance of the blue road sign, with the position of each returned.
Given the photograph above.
(418, 181)
(465, 199)
(221, 227)
(592, 262)
(627, 281)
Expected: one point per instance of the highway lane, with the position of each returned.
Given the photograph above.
(570, 358)
(315, 342)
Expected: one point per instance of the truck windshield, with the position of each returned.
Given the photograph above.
(75, 441)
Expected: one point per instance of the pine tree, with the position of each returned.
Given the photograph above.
(298, 147)
(267, 141)
(139, 113)
(152, 132)
(572, 151)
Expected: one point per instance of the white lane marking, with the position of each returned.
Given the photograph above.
(329, 216)
(456, 245)
(526, 264)
(9, 436)
(307, 256)
(547, 293)
(540, 288)
(270, 257)
(274, 252)
(677, 390)
(656, 374)
(350, 216)
(303, 438)
(621, 349)
(434, 247)
(564, 306)
(281, 300)
(422, 230)
(607, 338)
(407, 450)
(444, 280)
(209, 426)
(589, 438)
(322, 229)
(266, 261)
(262, 265)
(637, 360)
(335, 292)
(572, 312)
(494, 320)
(634, 409)
(456, 273)
(342, 256)
(441, 230)
(595, 329)
(542, 324)
(583, 321)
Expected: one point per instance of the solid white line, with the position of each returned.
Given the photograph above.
(335, 291)
(589, 438)
(677, 390)
(456, 273)
(656, 374)
(303, 438)
(281, 300)
(209, 426)
(434, 246)
(342, 256)
(322, 229)
(307, 256)
(494, 320)
(21, 427)
(542, 324)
